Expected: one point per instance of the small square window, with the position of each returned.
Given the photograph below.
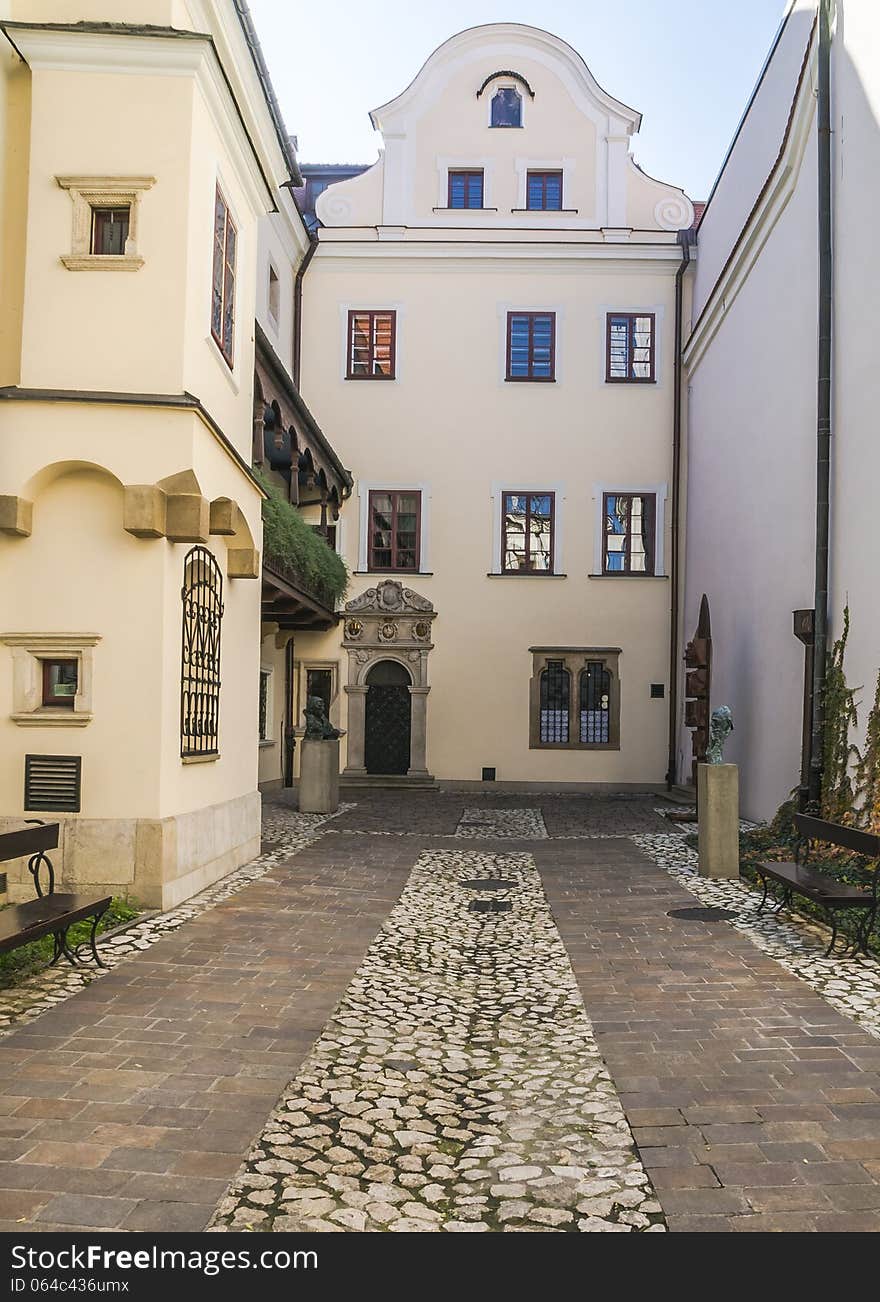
(110, 230)
(371, 345)
(60, 682)
(630, 348)
(466, 189)
(544, 191)
(531, 345)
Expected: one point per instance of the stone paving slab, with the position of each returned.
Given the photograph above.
(132, 1104)
(754, 1103)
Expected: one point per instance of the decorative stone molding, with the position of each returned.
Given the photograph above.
(144, 511)
(187, 518)
(243, 563)
(29, 650)
(90, 192)
(370, 636)
(16, 515)
(224, 516)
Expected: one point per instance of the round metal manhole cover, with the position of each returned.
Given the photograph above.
(490, 884)
(490, 906)
(707, 914)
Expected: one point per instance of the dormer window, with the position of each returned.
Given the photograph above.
(506, 108)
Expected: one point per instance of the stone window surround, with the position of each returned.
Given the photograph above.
(499, 488)
(575, 659)
(29, 650)
(659, 492)
(382, 486)
(90, 192)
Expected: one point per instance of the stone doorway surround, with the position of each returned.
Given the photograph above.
(388, 622)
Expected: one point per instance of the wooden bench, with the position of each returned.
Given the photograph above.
(51, 913)
(798, 878)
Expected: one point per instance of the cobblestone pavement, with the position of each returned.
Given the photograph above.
(747, 1064)
(457, 1087)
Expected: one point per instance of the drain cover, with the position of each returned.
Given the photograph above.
(701, 915)
(490, 884)
(490, 906)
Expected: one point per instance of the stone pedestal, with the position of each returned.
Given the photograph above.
(718, 806)
(319, 776)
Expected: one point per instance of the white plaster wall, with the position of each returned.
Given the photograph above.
(754, 152)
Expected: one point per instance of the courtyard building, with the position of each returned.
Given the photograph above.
(134, 264)
(489, 331)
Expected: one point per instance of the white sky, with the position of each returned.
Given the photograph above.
(689, 68)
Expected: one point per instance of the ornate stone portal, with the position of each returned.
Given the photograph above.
(388, 622)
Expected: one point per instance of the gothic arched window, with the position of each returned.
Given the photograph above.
(555, 696)
(202, 597)
(506, 110)
(595, 704)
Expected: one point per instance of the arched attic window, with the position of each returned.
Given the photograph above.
(506, 108)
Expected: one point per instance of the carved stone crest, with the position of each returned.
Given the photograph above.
(388, 631)
(389, 596)
(354, 628)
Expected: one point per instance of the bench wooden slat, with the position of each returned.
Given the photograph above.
(848, 838)
(814, 884)
(22, 923)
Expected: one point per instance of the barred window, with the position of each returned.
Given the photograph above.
(466, 189)
(527, 533)
(629, 351)
(574, 698)
(531, 345)
(202, 598)
(555, 698)
(544, 191)
(628, 543)
(595, 704)
(223, 279)
(371, 345)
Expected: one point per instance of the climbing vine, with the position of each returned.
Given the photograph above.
(868, 769)
(841, 714)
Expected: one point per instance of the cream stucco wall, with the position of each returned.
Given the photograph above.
(451, 426)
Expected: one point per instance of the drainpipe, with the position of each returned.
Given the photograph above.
(674, 567)
(297, 307)
(823, 406)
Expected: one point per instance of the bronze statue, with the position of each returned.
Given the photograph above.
(720, 728)
(318, 726)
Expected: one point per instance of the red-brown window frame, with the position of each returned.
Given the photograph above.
(528, 494)
(227, 283)
(631, 317)
(649, 511)
(48, 697)
(467, 173)
(394, 494)
(532, 379)
(372, 313)
(544, 172)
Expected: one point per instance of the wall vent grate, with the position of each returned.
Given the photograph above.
(53, 782)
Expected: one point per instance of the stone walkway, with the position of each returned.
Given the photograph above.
(594, 1065)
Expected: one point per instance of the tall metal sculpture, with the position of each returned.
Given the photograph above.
(698, 684)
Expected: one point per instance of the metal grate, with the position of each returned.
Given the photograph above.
(595, 711)
(202, 597)
(488, 775)
(555, 688)
(53, 782)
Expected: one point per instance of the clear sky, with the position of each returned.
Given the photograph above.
(689, 67)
